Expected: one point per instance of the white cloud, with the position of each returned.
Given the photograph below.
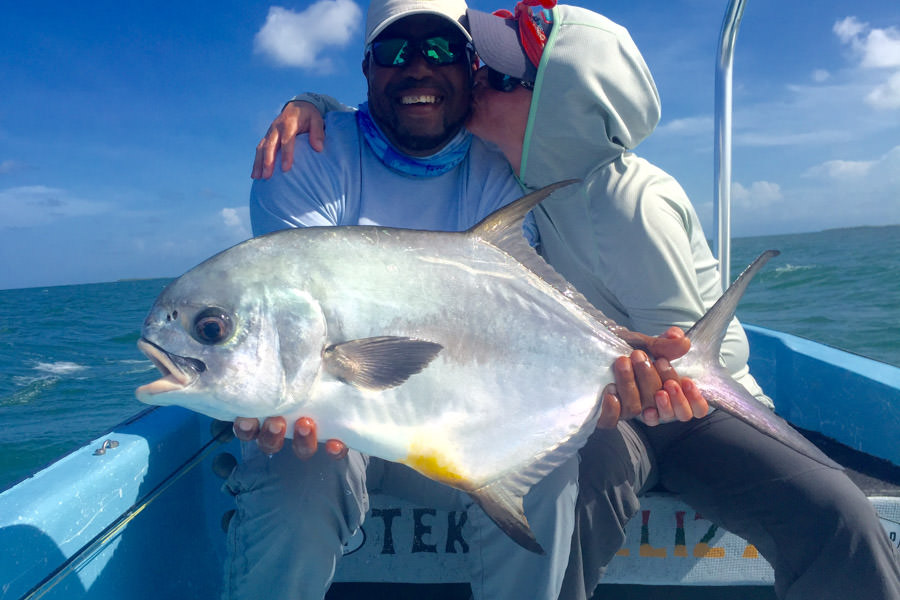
(849, 28)
(837, 194)
(752, 135)
(882, 172)
(875, 49)
(821, 75)
(230, 217)
(886, 95)
(881, 49)
(237, 220)
(760, 194)
(298, 39)
(30, 206)
(841, 169)
(687, 126)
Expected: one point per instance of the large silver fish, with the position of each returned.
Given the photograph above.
(462, 355)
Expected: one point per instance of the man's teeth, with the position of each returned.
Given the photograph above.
(418, 99)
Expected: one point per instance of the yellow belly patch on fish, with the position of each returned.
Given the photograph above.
(427, 460)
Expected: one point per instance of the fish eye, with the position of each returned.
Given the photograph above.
(212, 326)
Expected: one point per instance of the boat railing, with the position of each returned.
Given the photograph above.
(722, 161)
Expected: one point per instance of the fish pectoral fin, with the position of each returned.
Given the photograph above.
(379, 363)
(503, 504)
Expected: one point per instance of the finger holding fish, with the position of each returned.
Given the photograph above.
(698, 407)
(271, 435)
(652, 392)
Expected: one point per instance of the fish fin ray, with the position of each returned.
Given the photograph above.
(718, 386)
(707, 334)
(502, 502)
(502, 499)
(379, 363)
(724, 393)
(504, 226)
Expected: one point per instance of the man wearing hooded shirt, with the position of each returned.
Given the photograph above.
(405, 144)
(809, 520)
(568, 97)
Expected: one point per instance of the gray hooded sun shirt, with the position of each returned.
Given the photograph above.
(628, 237)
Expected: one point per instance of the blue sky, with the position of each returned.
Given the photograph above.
(127, 130)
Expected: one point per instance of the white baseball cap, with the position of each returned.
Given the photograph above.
(384, 12)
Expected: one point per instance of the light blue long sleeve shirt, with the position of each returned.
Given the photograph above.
(347, 184)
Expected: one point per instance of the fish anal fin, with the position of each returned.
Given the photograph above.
(379, 363)
(503, 504)
(502, 499)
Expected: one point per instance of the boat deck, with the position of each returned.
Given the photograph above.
(875, 476)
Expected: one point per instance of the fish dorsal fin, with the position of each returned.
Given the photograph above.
(707, 333)
(503, 229)
(379, 363)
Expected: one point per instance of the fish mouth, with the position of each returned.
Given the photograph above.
(178, 372)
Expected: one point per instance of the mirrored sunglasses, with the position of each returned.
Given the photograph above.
(438, 50)
(506, 83)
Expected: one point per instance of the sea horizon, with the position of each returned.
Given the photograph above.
(708, 241)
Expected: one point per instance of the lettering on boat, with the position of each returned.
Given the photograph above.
(391, 530)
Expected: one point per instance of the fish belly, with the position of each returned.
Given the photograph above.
(519, 374)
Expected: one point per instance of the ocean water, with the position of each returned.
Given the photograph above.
(69, 364)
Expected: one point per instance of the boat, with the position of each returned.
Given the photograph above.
(140, 512)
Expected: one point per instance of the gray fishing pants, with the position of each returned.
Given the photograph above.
(294, 516)
(811, 523)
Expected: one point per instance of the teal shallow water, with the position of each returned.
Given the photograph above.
(840, 287)
(69, 364)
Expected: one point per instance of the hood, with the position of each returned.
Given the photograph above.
(594, 99)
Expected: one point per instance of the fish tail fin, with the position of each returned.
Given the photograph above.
(719, 387)
(721, 391)
(707, 334)
(502, 502)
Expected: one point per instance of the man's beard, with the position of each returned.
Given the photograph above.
(403, 137)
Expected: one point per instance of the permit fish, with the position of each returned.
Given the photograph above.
(462, 355)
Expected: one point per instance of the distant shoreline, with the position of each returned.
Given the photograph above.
(708, 241)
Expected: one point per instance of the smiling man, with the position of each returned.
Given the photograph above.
(418, 107)
(406, 143)
(402, 160)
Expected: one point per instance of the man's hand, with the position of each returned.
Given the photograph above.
(652, 391)
(270, 437)
(671, 345)
(296, 117)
